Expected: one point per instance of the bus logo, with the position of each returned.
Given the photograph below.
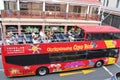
(35, 48)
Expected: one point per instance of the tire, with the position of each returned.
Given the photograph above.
(99, 64)
(42, 71)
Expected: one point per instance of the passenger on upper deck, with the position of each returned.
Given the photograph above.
(69, 32)
(49, 37)
(42, 35)
(35, 40)
(70, 35)
(33, 34)
(45, 40)
(9, 40)
(10, 34)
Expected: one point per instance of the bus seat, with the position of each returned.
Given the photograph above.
(28, 38)
(20, 39)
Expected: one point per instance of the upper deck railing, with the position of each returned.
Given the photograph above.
(48, 15)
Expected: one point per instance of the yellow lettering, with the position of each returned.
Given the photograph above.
(77, 47)
(58, 49)
(49, 50)
(86, 46)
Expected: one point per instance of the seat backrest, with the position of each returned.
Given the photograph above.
(20, 39)
(28, 38)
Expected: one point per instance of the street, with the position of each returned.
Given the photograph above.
(103, 73)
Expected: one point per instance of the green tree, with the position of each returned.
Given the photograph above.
(36, 30)
(28, 29)
(61, 29)
(47, 29)
(72, 29)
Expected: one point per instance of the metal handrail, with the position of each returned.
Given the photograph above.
(47, 15)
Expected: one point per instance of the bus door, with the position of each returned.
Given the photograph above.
(112, 55)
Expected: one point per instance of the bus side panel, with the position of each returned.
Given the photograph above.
(73, 65)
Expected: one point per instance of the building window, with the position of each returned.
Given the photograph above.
(52, 7)
(107, 3)
(77, 9)
(10, 5)
(103, 2)
(23, 6)
(116, 21)
(117, 3)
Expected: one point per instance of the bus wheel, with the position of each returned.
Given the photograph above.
(99, 64)
(42, 71)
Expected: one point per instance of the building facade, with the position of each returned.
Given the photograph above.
(21, 15)
(111, 12)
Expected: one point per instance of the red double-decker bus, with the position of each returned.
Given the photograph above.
(90, 46)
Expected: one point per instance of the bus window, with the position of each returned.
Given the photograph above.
(113, 52)
(102, 36)
(70, 56)
(55, 57)
(26, 60)
(116, 35)
(67, 56)
(99, 36)
(81, 55)
(89, 37)
(95, 54)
